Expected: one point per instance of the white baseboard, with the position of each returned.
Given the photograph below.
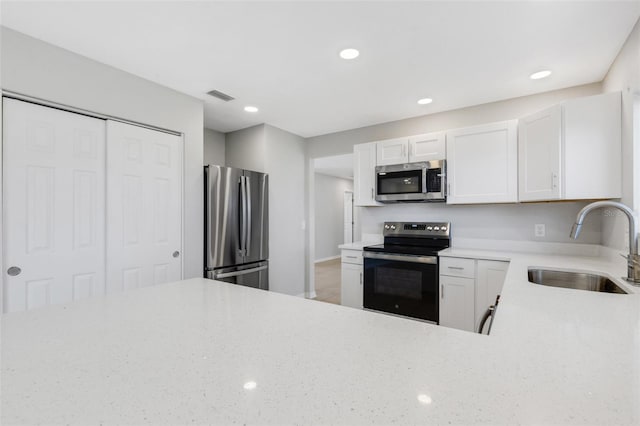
(327, 258)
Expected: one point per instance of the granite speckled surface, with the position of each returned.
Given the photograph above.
(206, 352)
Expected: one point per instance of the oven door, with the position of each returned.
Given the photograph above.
(402, 284)
(402, 182)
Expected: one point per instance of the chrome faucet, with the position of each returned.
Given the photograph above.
(633, 259)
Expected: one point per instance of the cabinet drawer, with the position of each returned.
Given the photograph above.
(457, 267)
(352, 256)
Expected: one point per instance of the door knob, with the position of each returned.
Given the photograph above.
(13, 271)
(176, 253)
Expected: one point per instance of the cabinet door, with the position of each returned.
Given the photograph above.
(54, 218)
(592, 147)
(351, 292)
(489, 281)
(392, 151)
(457, 302)
(144, 206)
(427, 147)
(482, 164)
(364, 174)
(539, 147)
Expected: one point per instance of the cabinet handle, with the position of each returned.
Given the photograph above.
(372, 197)
(456, 267)
(360, 278)
(554, 178)
(441, 291)
(351, 257)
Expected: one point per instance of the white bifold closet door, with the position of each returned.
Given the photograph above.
(90, 206)
(54, 206)
(144, 207)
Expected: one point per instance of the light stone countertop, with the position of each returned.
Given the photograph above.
(358, 245)
(182, 353)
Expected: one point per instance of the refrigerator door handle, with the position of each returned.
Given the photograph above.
(243, 216)
(247, 246)
(238, 273)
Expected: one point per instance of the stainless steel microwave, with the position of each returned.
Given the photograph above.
(412, 182)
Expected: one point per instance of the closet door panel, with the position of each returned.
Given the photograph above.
(54, 205)
(144, 201)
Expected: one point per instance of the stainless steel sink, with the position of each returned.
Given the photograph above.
(575, 280)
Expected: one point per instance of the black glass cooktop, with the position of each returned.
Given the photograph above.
(417, 250)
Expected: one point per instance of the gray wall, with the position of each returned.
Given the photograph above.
(481, 221)
(286, 168)
(624, 76)
(41, 70)
(246, 149)
(214, 147)
(281, 154)
(329, 214)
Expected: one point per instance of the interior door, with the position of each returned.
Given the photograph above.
(54, 191)
(144, 206)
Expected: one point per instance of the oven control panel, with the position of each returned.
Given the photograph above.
(416, 229)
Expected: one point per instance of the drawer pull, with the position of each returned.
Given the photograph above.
(351, 257)
(455, 267)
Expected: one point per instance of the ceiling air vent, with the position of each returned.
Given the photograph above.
(222, 96)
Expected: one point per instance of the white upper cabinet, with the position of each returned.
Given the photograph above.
(572, 151)
(427, 147)
(364, 165)
(482, 164)
(539, 155)
(392, 151)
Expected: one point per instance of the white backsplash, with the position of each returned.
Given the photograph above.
(491, 221)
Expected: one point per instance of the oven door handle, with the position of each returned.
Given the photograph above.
(402, 257)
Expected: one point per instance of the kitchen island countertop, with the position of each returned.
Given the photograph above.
(201, 351)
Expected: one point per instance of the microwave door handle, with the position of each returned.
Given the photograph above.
(424, 180)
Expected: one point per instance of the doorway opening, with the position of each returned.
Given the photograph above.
(332, 223)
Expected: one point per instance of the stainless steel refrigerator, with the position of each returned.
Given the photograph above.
(237, 226)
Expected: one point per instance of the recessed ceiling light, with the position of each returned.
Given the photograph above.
(540, 74)
(424, 399)
(251, 109)
(349, 53)
(250, 385)
(425, 101)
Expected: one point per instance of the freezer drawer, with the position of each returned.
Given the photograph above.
(254, 275)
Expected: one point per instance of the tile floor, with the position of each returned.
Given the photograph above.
(327, 281)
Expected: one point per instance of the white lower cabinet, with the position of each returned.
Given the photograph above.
(490, 275)
(467, 288)
(351, 289)
(457, 302)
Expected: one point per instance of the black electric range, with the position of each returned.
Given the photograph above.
(401, 275)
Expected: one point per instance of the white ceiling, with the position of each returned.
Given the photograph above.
(338, 165)
(283, 56)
